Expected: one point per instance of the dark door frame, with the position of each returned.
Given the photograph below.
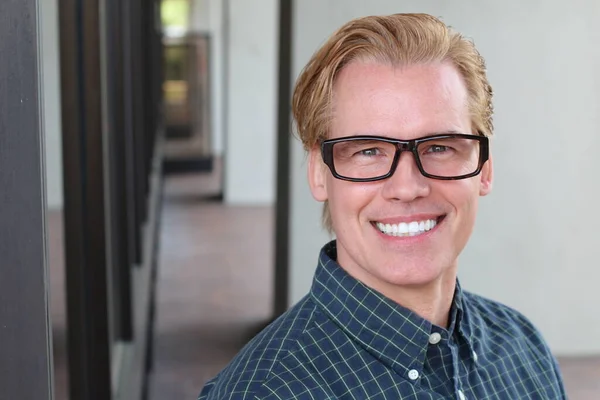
(284, 129)
(26, 369)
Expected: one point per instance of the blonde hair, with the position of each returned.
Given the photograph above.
(396, 40)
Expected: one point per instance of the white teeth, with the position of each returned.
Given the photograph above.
(402, 228)
(412, 228)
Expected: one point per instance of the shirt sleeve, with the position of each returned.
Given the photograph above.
(543, 354)
(559, 379)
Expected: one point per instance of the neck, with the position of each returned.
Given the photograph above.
(431, 302)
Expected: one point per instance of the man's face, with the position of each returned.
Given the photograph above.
(407, 103)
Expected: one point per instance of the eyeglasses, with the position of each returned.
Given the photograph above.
(372, 158)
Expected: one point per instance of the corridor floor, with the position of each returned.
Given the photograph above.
(214, 285)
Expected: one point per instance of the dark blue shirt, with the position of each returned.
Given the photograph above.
(347, 341)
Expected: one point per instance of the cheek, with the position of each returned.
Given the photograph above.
(348, 199)
(464, 197)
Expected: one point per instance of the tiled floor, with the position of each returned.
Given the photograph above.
(214, 290)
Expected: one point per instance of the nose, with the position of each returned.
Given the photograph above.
(406, 183)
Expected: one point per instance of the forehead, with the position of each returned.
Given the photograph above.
(407, 102)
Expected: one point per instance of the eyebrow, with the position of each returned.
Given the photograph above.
(434, 133)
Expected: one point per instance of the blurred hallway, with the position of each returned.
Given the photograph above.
(214, 284)
(96, 124)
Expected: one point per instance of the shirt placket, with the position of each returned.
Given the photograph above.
(440, 367)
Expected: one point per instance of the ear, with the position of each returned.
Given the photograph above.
(487, 177)
(317, 174)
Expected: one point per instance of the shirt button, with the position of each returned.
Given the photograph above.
(462, 395)
(475, 356)
(413, 374)
(435, 338)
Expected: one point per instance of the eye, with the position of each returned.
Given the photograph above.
(372, 152)
(437, 148)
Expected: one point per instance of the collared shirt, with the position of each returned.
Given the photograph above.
(347, 341)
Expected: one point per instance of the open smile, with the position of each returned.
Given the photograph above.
(409, 228)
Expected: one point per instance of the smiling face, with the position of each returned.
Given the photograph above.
(400, 103)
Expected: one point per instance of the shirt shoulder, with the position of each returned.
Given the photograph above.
(502, 320)
(252, 366)
(504, 330)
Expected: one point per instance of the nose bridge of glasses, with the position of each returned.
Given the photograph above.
(405, 146)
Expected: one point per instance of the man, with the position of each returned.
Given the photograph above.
(395, 113)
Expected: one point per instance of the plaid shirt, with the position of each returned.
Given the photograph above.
(347, 341)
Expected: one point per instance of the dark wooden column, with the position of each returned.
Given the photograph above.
(88, 334)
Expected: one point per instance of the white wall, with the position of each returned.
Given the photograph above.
(200, 15)
(217, 74)
(251, 101)
(536, 245)
(206, 16)
(51, 102)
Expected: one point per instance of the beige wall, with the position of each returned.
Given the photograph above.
(244, 93)
(251, 101)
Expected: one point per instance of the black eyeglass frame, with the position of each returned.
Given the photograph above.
(405, 145)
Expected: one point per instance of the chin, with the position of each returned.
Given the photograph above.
(416, 273)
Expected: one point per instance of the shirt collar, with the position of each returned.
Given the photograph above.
(393, 334)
